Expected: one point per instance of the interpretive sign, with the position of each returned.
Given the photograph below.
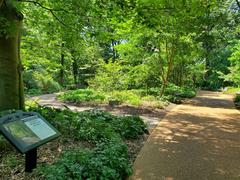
(27, 130)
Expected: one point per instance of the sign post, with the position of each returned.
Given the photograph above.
(26, 131)
(31, 160)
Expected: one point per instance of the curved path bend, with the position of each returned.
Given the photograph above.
(198, 140)
(150, 116)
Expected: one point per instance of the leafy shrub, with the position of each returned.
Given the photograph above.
(97, 131)
(126, 96)
(132, 97)
(143, 76)
(106, 161)
(237, 101)
(172, 90)
(98, 115)
(173, 93)
(152, 91)
(34, 92)
(47, 84)
(129, 127)
(108, 158)
(149, 98)
(110, 76)
(36, 83)
(93, 125)
(82, 95)
(176, 94)
(231, 90)
(173, 98)
(182, 92)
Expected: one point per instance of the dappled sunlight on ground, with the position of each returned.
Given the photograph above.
(197, 140)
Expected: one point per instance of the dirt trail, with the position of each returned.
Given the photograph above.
(198, 140)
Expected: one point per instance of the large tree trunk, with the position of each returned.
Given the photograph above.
(11, 85)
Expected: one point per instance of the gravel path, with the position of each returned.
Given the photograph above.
(198, 140)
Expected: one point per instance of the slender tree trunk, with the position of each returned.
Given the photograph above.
(181, 74)
(238, 3)
(75, 71)
(170, 63)
(62, 67)
(11, 85)
(114, 50)
(163, 88)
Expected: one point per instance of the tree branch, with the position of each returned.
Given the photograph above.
(44, 7)
(238, 4)
(1, 3)
(48, 9)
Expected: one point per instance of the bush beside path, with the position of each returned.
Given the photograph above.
(151, 116)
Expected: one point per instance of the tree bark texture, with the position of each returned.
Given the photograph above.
(11, 84)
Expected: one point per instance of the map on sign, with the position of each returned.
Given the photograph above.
(28, 132)
(21, 133)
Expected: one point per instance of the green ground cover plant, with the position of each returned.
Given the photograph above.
(132, 97)
(107, 157)
(136, 97)
(237, 100)
(236, 92)
(231, 90)
(82, 95)
(106, 161)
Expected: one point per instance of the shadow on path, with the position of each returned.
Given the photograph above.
(199, 140)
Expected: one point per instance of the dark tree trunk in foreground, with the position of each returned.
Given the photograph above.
(11, 84)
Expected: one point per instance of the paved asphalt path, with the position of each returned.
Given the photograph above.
(198, 140)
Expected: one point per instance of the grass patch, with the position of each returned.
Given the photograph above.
(231, 90)
(236, 92)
